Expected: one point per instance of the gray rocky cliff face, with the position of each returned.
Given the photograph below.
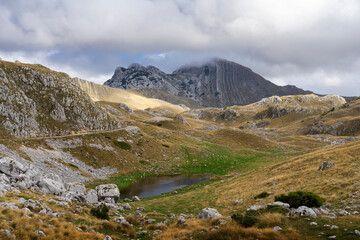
(218, 83)
(35, 101)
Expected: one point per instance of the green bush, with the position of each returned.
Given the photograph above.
(300, 198)
(101, 212)
(165, 145)
(122, 145)
(262, 195)
(246, 220)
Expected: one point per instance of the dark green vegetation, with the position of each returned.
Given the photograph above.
(122, 145)
(101, 212)
(262, 195)
(300, 198)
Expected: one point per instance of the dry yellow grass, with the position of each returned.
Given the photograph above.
(203, 229)
(298, 173)
(193, 226)
(135, 101)
(24, 227)
(236, 232)
(270, 220)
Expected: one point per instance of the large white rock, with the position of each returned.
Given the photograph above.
(4, 178)
(303, 211)
(76, 188)
(4, 187)
(208, 213)
(48, 185)
(91, 196)
(11, 167)
(132, 130)
(280, 204)
(106, 191)
(256, 207)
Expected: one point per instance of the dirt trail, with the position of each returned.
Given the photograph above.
(62, 136)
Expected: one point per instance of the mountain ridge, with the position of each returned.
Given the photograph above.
(217, 83)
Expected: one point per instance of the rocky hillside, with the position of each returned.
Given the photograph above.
(338, 121)
(35, 101)
(218, 83)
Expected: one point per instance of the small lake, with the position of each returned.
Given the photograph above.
(156, 185)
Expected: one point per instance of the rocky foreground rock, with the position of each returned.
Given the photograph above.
(14, 174)
(208, 213)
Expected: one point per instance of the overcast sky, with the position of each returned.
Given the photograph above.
(313, 44)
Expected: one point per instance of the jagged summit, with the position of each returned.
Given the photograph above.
(216, 83)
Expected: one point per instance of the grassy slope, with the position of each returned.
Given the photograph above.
(243, 163)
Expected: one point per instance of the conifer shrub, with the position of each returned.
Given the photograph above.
(300, 198)
(101, 212)
(262, 195)
(123, 145)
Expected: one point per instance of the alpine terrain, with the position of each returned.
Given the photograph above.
(207, 152)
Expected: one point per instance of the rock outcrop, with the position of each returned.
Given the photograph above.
(208, 213)
(35, 101)
(15, 174)
(325, 165)
(218, 83)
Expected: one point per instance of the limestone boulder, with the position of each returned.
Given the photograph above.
(91, 196)
(108, 191)
(303, 211)
(48, 185)
(208, 213)
(11, 167)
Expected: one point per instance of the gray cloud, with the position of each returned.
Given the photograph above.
(312, 44)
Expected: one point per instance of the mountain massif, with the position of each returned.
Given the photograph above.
(217, 83)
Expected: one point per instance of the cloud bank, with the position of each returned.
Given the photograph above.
(312, 44)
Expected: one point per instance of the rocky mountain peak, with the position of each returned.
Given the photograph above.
(216, 83)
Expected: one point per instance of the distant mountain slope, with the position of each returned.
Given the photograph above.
(134, 101)
(338, 121)
(218, 83)
(36, 101)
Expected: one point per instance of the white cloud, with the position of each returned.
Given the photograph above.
(285, 40)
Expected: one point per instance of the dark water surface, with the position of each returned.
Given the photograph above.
(156, 185)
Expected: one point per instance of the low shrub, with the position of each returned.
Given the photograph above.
(245, 220)
(262, 195)
(251, 218)
(300, 198)
(123, 145)
(101, 212)
(165, 145)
